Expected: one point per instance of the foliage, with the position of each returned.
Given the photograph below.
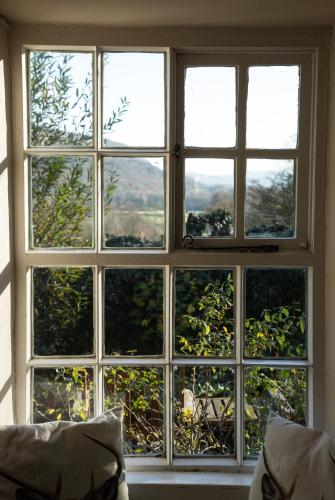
(218, 222)
(57, 118)
(129, 241)
(140, 391)
(62, 186)
(270, 209)
(62, 201)
(63, 311)
(204, 407)
(280, 390)
(63, 394)
(279, 332)
(133, 311)
(204, 412)
(212, 327)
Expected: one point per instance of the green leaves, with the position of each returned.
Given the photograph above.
(211, 323)
(279, 333)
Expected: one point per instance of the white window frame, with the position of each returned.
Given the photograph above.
(242, 60)
(312, 42)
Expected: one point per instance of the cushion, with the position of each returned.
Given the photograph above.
(296, 463)
(63, 460)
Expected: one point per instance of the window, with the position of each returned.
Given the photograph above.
(169, 245)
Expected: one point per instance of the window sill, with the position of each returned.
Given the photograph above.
(221, 479)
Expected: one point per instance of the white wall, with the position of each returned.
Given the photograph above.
(6, 264)
(6, 280)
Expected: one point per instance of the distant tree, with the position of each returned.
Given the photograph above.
(218, 222)
(270, 208)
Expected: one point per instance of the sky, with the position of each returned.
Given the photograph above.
(210, 104)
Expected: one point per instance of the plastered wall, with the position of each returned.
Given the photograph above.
(6, 263)
(329, 367)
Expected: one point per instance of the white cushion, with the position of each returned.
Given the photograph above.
(296, 463)
(63, 460)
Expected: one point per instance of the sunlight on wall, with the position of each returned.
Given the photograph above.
(6, 295)
(6, 361)
(4, 211)
(3, 135)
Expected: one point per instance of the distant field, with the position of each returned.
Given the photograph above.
(148, 224)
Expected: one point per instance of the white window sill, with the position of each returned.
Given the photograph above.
(221, 479)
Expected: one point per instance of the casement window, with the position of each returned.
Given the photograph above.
(169, 245)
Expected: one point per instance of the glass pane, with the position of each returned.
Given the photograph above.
(210, 107)
(276, 315)
(64, 393)
(133, 99)
(62, 311)
(134, 311)
(60, 98)
(209, 197)
(140, 392)
(204, 411)
(273, 107)
(62, 204)
(134, 202)
(204, 312)
(270, 199)
(283, 391)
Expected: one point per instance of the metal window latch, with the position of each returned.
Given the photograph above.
(189, 244)
(177, 150)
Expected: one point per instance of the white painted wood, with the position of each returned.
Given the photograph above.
(171, 257)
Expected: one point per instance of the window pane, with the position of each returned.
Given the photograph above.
(62, 205)
(140, 392)
(133, 99)
(273, 106)
(134, 202)
(60, 98)
(209, 197)
(283, 391)
(270, 199)
(64, 393)
(134, 311)
(210, 107)
(204, 411)
(276, 316)
(62, 311)
(204, 312)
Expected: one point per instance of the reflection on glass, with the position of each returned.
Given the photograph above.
(62, 311)
(209, 197)
(273, 107)
(140, 393)
(204, 411)
(275, 313)
(133, 99)
(62, 209)
(134, 311)
(204, 312)
(62, 393)
(270, 199)
(60, 98)
(134, 202)
(283, 391)
(210, 107)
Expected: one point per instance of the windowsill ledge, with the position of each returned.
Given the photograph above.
(221, 479)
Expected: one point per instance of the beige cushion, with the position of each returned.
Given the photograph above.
(63, 460)
(297, 463)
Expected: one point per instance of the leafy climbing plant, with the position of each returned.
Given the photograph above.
(204, 398)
